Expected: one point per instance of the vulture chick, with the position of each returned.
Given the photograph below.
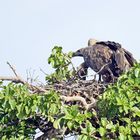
(82, 71)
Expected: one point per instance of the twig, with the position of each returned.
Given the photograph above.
(102, 68)
(89, 97)
(13, 69)
(43, 71)
(18, 79)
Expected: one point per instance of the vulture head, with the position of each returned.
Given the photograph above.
(92, 42)
(81, 52)
(78, 53)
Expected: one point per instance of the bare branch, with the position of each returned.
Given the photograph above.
(43, 71)
(13, 69)
(89, 97)
(103, 67)
(81, 99)
(20, 80)
(12, 79)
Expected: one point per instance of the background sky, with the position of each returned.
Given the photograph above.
(30, 28)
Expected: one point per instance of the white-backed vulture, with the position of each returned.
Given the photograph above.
(108, 59)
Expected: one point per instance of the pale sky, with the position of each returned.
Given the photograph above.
(30, 28)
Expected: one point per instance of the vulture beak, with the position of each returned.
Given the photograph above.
(77, 53)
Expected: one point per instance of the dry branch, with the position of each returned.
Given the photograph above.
(81, 99)
(12, 79)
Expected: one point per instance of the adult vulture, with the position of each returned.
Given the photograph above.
(106, 58)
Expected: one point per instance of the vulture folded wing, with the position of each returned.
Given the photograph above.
(99, 57)
(116, 46)
(121, 62)
(111, 44)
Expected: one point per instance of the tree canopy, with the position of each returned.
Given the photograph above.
(66, 105)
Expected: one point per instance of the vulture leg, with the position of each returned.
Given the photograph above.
(112, 76)
(100, 78)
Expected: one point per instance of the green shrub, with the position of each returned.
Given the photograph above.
(120, 105)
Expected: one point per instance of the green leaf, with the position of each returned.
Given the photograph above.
(33, 108)
(109, 126)
(82, 137)
(138, 130)
(126, 109)
(21, 113)
(70, 54)
(136, 72)
(27, 110)
(128, 120)
(122, 137)
(119, 101)
(102, 131)
(136, 110)
(70, 125)
(56, 123)
(12, 103)
(68, 117)
(104, 121)
(134, 129)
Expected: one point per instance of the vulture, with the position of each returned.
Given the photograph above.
(107, 58)
(82, 71)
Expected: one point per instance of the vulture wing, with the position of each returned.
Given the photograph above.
(98, 56)
(123, 58)
(116, 46)
(129, 57)
(112, 45)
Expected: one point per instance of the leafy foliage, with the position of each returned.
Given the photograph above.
(19, 110)
(117, 113)
(60, 62)
(121, 103)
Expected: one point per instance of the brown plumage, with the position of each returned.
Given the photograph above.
(82, 71)
(108, 59)
(123, 58)
(97, 58)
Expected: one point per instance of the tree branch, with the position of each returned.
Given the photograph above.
(12, 79)
(13, 69)
(81, 99)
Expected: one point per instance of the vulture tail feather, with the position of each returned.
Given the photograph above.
(129, 57)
